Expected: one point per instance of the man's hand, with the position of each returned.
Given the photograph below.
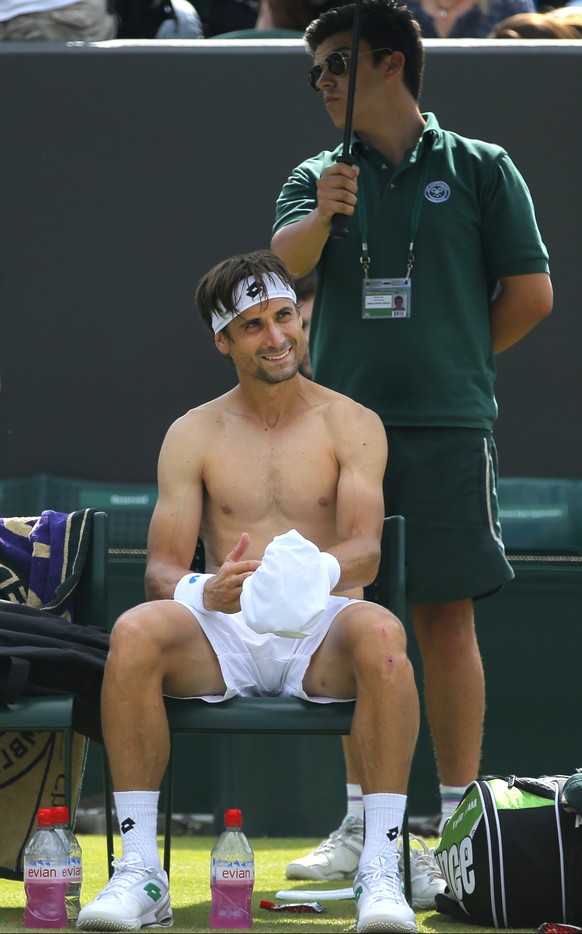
(222, 592)
(337, 190)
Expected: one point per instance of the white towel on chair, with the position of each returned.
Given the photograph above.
(288, 593)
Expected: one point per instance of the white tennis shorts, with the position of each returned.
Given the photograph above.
(255, 664)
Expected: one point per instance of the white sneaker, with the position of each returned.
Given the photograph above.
(335, 858)
(380, 903)
(134, 897)
(426, 880)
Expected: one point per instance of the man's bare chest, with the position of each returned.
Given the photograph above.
(256, 473)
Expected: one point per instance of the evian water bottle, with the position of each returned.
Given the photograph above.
(74, 865)
(44, 884)
(232, 876)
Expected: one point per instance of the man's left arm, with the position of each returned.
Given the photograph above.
(522, 302)
(361, 450)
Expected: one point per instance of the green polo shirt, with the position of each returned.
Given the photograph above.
(476, 223)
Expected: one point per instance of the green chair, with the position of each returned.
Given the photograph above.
(278, 715)
(54, 713)
(541, 516)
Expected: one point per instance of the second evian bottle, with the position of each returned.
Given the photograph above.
(232, 876)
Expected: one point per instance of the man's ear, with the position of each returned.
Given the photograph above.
(222, 343)
(394, 63)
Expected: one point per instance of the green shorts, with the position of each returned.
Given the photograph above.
(443, 481)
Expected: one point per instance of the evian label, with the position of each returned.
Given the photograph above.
(73, 870)
(45, 870)
(233, 870)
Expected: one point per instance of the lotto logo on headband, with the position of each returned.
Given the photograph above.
(253, 290)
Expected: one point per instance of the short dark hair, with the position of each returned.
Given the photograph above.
(384, 24)
(216, 288)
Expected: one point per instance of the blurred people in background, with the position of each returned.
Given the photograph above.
(291, 14)
(285, 18)
(562, 23)
(56, 20)
(464, 19)
(157, 19)
(220, 16)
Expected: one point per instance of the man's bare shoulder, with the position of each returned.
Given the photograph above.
(342, 409)
(203, 416)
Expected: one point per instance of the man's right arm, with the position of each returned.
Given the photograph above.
(300, 243)
(175, 524)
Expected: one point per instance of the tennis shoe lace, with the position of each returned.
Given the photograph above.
(126, 872)
(382, 879)
(422, 859)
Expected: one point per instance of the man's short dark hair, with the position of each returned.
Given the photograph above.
(383, 24)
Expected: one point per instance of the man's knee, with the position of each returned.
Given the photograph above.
(137, 633)
(376, 638)
(445, 628)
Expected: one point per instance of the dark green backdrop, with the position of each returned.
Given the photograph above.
(129, 169)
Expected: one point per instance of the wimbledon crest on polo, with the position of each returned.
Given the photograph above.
(437, 192)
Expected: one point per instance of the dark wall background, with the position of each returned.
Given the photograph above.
(129, 169)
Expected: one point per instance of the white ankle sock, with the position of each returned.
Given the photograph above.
(384, 814)
(137, 813)
(450, 798)
(355, 806)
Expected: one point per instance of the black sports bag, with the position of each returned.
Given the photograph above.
(512, 854)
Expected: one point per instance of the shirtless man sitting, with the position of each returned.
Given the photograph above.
(282, 480)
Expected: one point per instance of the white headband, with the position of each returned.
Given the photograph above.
(246, 294)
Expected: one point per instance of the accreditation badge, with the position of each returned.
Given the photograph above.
(386, 298)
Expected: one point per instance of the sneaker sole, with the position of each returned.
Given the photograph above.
(107, 924)
(387, 927)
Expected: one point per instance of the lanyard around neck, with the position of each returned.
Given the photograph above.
(365, 260)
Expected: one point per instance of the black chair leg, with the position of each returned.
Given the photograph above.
(169, 805)
(406, 859)
(108, 797)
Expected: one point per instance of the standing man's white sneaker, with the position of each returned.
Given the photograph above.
(337, 857)
(426, 879)
(136, 896)
(380, 903)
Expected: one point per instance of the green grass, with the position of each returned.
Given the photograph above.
(191, 892)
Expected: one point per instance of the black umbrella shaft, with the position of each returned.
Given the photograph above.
(339, 222)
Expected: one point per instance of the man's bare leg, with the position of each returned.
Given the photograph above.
(374, 643)
(364, 655)
(454, 692)
(156, 648)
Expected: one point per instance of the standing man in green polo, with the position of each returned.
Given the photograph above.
(448, 224)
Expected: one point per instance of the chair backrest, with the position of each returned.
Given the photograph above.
(392, 572)
(389, 588)
(91, 593)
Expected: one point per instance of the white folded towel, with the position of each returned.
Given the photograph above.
(288, 593)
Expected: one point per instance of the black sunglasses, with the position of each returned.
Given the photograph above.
(337, 63)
